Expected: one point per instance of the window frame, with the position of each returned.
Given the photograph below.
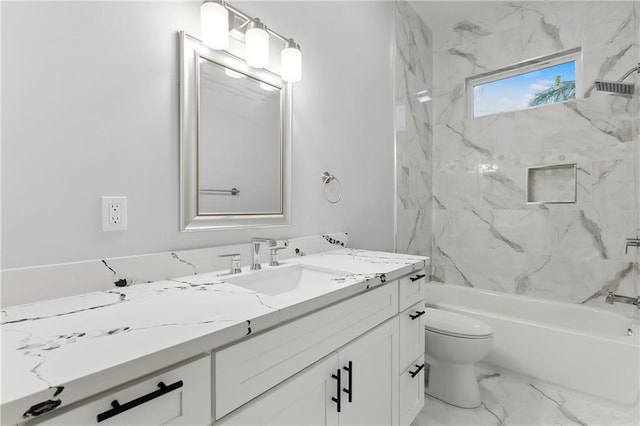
(524, 67)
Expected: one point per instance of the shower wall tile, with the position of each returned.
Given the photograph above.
(505, 188)
(456, 190)
(414, 133)
(414, 184)
(612, 185)
(485, 234)
(412, 224)
(413, 42)
(592, 235)
(577, 281)
(413, 123)
(521, 231)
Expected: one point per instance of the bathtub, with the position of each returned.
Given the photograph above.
(573, 346)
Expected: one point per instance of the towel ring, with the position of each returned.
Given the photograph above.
(326, 179)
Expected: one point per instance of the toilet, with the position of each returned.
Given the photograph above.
(453, 344)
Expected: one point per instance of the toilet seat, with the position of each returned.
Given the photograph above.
(455, 325)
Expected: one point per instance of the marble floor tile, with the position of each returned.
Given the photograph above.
(508, 401)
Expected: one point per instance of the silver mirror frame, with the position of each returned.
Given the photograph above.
(191, 50)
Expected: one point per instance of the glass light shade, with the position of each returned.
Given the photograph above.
(257, 46)
(291, 63)
(214, 25)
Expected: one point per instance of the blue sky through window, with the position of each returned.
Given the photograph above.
(515, 92)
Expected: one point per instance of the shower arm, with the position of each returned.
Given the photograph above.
(628, 73)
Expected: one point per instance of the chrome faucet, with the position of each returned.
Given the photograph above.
(255, 251)
(624, 299)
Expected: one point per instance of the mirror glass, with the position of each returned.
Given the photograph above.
(235, 142)
(239, 143)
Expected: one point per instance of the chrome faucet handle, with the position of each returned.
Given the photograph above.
(235, 262)
(274, 261)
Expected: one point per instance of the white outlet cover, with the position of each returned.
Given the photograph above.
(106, 223)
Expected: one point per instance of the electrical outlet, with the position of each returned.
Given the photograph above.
(114, 213)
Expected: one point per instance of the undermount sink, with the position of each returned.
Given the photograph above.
(291, 278)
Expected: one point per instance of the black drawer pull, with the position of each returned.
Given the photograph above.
(417, 315)
(338, 387)
(121, 408)
(417, 277)
(350, 390)
(415, 373)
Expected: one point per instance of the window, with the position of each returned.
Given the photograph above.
(532, 83)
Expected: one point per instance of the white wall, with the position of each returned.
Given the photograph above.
(90, 108)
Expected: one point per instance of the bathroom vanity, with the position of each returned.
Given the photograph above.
(331, 338)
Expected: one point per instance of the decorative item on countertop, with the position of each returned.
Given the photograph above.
(326, 179)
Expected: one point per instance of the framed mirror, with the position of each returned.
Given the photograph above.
(235, 142)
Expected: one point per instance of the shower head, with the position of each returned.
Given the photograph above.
(615, 87)
(618, 86)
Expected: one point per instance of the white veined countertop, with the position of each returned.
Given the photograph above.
(74, 347)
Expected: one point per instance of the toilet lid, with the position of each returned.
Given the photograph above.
(453, 324)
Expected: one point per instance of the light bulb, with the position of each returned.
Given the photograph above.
(214, 25)
(291, 62)
(257, 44)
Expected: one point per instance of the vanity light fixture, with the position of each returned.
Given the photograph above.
(257, 44)
(291, 62)
(214, 24)
(219, 20)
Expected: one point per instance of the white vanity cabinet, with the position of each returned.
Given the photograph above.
(411, 367)
(304, 399)
(357, 362)
(180, 395)
(368, 368)
(352, 386)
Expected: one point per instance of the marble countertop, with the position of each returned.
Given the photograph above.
(63, 350)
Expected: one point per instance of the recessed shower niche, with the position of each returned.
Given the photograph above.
(552, 184)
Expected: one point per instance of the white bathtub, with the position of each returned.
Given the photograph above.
(582, 348)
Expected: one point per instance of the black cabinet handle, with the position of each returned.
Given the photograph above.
(338, 387)
(121, 408)
(417, 277)
(350, 390)
(417, 315)
(415, 373)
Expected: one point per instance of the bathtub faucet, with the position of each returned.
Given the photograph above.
(631, 242)
(624, 299)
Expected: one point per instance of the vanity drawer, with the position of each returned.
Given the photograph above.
(184, 398)
(412, 289)
(412, 391)
(411, 334)
(251, 367)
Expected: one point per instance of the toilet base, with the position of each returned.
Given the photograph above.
(455, 384)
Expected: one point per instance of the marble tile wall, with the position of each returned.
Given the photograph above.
(485, 235)
(413, 74)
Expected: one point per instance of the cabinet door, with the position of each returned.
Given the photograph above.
(412, 288)
(411, 334)
(412, 391)
(184, 398)
(370, 376)
(304, 399)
